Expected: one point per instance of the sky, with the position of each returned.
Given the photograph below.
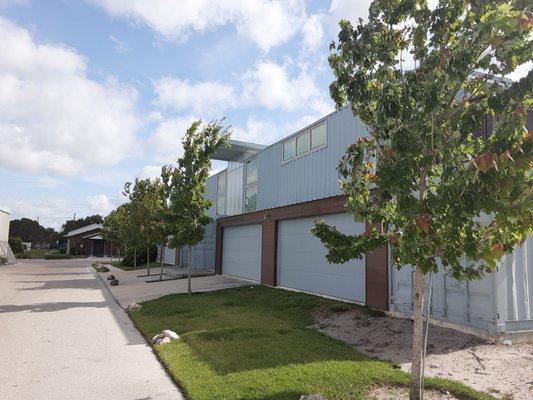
(94, 93)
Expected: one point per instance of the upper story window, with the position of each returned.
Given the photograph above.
(305, 142)
(250, 185)
(221, 194)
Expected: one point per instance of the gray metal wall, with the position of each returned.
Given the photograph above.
(311, 176)
(500, 302)
(302, 263)
(241, 256)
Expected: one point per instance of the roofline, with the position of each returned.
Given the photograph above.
(5, 212)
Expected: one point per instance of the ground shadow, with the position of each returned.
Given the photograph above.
(61, 284)
(50, 307)
(285, 395)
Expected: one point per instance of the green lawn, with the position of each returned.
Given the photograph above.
(118, 264)
(255, 343)
(37, 253)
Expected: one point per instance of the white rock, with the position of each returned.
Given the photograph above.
(313, 397)
(157, 337)
(170, 334)
(164, 340)
(133, 307)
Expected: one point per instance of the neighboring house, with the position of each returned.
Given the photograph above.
(6, 255)
(266, 201)
(89, 241)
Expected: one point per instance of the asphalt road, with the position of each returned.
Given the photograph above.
(63, 336)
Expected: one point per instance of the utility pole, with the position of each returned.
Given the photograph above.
(74, 216)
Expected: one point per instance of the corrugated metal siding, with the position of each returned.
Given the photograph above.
(500, 302)
(302, 263)
(311, 176)
(519, 273)
(234, 192)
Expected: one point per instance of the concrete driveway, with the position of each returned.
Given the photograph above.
(134, 288)
(63, 336)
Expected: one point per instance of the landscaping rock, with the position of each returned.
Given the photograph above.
(165, 336)
(104, 269)
(114, 282)
(313, 397)
(164, 340)
(157, 337)
(170, 334)
(133, 307)
(111, 277)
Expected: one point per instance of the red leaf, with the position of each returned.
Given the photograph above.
(422, 222)
(486, 161)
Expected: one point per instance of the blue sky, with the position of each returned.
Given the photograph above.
(95, 93)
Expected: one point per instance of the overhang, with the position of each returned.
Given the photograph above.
(96, 236)
(235, 149)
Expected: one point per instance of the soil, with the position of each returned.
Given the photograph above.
(501, 370)
(392, 393)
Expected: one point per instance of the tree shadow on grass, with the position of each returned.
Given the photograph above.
(230, 350)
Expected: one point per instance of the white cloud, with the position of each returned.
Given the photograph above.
(345, 9)
(267, 23)
(54, 211)
(313, 32)
(100, 204)
(204, 98)
(150, 172)
(271, 85)
(120, 46)
(165, 140)
(53, 118)
(521, 71)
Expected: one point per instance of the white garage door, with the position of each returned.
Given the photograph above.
(241, 252)
(302, 264)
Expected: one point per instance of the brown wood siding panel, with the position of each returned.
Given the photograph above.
(330, 205)
(377, 278)
(218, 249)
(269, 252)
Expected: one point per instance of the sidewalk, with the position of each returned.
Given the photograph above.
(133, 287)
(64, 337)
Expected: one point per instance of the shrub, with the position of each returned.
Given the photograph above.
(62, 251)
(127, 261)
(16, 244)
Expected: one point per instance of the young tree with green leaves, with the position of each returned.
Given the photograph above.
(435, 192)
(185, 184)
(135, 218)
(114, 225)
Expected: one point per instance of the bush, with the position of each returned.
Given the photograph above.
(62, 251)
(16, 244)
(57, 257)
(127, 261)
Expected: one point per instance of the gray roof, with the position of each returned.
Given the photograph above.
(235, 149)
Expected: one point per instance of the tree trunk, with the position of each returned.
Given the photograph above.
(161, 262)
(189, 290)
(147, 261)
(135, 258)
(418, 337)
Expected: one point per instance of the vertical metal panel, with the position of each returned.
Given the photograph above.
(234, 192)
(302, 264)
(311, 176)
(519, 268)
(500, 302)
(241, 256)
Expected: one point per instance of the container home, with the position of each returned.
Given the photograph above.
(266, 201)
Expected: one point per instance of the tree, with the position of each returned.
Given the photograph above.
(430, 187)
(185, 185)
(72, 224)
(114, 228)
(31, 231)
(135, 218)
